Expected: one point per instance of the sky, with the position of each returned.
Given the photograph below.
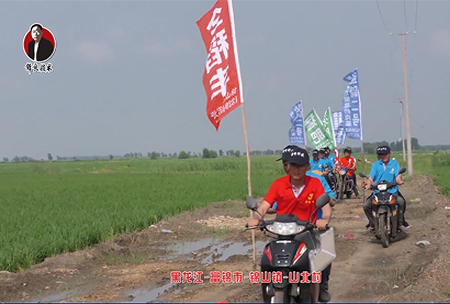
(128, 74)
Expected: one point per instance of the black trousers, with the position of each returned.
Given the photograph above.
(355, 186)
(326, 274)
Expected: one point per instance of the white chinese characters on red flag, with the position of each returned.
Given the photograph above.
(221, 77)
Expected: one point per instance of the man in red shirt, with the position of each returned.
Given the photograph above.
(350, 162)
(295, 194)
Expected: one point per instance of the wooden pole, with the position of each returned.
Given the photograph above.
(244, 121)
(362, 151)
(249, 181)
(408, 123)
(402, 127)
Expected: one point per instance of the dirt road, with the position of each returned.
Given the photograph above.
(136, 267)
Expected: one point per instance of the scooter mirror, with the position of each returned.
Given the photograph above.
(402, 170)
(322, 201)
(251, 203)
(362, 174)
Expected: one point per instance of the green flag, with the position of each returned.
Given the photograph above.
(329, 130)
(315, 131)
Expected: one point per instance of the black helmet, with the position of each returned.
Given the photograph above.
(349, 150)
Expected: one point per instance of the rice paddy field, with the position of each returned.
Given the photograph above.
(49, 208)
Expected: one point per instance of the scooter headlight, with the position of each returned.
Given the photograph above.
(382, 187)
(285, 228)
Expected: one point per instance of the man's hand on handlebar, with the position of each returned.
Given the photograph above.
(253, 223)
(321, 224)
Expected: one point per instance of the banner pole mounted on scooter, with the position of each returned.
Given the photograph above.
(222, 75)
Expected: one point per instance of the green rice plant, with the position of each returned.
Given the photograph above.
(50, 208)
(54, 207)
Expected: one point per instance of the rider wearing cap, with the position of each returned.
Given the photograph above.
(324, 294)
(349, 162)
(385, 169)
(330, 155)
(317, 164)
(284, 158)
(328, 169)
(332, 159)
(292, 194)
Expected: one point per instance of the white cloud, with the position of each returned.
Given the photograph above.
(440, 42)
(95, 51)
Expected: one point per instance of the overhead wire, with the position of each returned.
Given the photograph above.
(404, 11)
(392, 40)
(414, 44)
(381, 16)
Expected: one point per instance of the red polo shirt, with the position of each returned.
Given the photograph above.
(348, 162)
(303, 205)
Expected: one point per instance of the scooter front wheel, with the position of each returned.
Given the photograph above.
(281, 296)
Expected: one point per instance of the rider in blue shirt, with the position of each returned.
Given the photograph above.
(317, 164)
(325, 159)
(385, 169)
(330, 155)
(329, 165)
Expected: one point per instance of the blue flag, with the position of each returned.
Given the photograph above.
(351, 107)
(297, 130)
(338, 126)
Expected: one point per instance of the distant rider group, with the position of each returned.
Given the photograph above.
(307, 178)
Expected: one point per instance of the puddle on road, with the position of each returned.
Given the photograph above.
(183, 248)
(58, 297)
(231, 249)
(218, 251)
(147, 296)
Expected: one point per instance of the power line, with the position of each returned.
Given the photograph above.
(414, 43)
(393, 69)
(381, 16)
(404, 11)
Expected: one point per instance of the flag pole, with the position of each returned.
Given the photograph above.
(244, 121)
(247, 152)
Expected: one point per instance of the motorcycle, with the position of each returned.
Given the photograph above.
(346, 184)
(384, 210)
(298, 247)
(331, 179)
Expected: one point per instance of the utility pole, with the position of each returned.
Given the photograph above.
(408, 122)
(401, 127)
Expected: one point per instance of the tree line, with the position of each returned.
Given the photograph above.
(369, 148)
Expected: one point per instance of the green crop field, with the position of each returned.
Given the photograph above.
(54, 207)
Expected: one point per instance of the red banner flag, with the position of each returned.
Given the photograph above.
(221, 77)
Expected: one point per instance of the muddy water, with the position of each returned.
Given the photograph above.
(207, 250)
(146, 296)
(211, 250)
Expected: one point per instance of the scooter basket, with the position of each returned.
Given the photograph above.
(320, 258)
